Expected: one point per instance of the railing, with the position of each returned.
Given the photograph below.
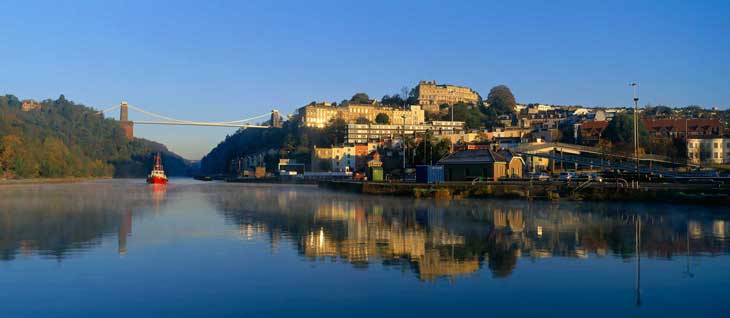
(600, 163)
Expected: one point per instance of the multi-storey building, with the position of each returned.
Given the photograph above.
(320, 114)
(362, 133)
(335, 158)
(679, 127)
(708, 150)
(431, 96)
(590, 132)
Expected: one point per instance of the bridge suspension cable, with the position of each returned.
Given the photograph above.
(175, 121)
(159, 116)
(108, 109)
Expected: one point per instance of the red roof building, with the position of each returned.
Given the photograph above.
(674, 128)
(590, 131)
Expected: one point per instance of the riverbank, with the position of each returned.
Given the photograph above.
(4, 182)
(552, 191)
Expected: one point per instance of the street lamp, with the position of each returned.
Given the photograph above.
(403, 141)
(636, 126)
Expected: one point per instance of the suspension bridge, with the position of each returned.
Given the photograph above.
(128, 125)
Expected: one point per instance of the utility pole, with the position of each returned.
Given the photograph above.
(686, 140)
(403, 141)
(636, 128)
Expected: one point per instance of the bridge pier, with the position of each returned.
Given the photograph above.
(124, 122)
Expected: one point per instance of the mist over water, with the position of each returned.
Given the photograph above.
(125, 248)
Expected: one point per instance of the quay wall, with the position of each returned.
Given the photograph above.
(689, 193)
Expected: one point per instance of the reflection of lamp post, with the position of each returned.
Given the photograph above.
(637, 240)
(688, 273)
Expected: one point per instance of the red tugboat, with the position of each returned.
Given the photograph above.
(157, 175)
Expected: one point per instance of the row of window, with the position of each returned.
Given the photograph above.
(716, 155)
(715, 145)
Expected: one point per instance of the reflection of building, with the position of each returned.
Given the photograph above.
(433, 265)
(250, 231)
(125, 228)
(719, 229)
(458, 238)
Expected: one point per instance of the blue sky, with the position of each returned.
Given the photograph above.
(226, 60)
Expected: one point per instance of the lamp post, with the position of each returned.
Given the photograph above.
(403, 141)
(636, 128)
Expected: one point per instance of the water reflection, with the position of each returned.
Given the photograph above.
(433, 239)
(57, 221)
(440, 239)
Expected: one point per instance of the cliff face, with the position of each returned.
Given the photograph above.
(58, 138)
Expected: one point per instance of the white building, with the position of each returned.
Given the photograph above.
(708, 150)
(343, 158)
(362, 133)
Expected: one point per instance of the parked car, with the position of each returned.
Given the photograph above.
(566, 176)
(540, 176)
(596, 177)
(588, 176)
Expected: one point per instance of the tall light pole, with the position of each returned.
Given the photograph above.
(636, 125)
(403, 141)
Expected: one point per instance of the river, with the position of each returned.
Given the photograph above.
(125, 248)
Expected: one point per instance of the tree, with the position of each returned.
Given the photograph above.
(64, 139)
(501, 100)
(335, 131)
(604, 147)
(324, 165)
(412, 97)
(394, 100)
(404, 94)
(362, 121)
(360, 98)
(382, 119)
(473, 117)
(620, 131)
(567, 133)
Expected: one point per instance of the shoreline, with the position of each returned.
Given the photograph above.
(647, 192)
(10, 182)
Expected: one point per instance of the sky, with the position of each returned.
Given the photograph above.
(228, 60)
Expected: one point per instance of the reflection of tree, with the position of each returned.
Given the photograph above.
(438, 239)
(62, 218)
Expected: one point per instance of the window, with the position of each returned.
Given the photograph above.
(715, 145)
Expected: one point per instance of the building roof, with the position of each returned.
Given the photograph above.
(479, 156)
(508, 154)
(678, 124)
(596, 124)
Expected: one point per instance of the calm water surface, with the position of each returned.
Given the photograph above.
(123, 248)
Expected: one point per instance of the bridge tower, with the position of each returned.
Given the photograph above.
(275, 119)
(124, 122)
